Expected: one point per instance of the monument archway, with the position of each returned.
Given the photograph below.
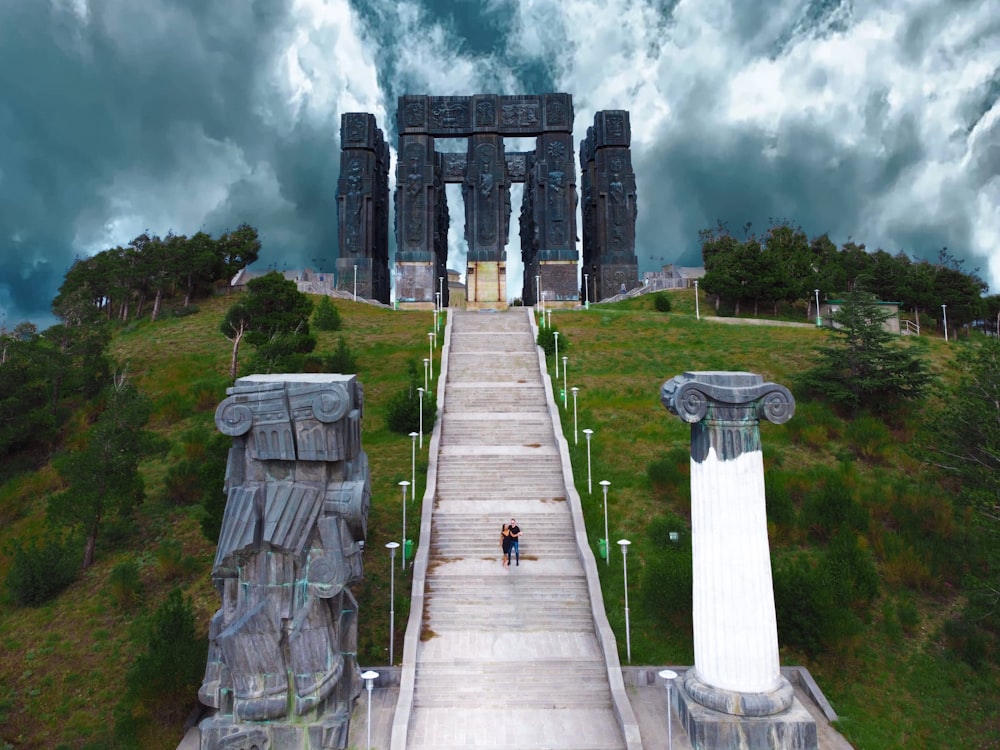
(486, 170)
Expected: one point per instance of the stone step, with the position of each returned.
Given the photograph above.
(507, 657)
(497, 728)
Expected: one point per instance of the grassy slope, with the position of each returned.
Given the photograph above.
(62, 666)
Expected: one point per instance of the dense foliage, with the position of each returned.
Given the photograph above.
(785, 267)
(122, 281)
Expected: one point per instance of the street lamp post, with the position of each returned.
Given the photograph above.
(604, 485)
(369, 677)
(668, 676)
(440, 292)
(697, 310)
(404, 484)
(548, 312)
(944, 312)
(538, 296)
(427, 364)
(413, 462)
(556, 334)
(565, 359)
(575, 440)
(420, 391)
(819, 318)
(392, 547)
(587, 432)
(430, 350)
(355, 282)
(586, 291)
(624, 543)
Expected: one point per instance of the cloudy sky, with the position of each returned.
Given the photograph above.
(877, 121)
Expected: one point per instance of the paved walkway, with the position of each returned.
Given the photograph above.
(504, 657)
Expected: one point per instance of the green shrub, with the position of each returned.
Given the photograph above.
(547, 340)
(183, 312)
(39, 571)
(832, 505)
(661, 302)
(213, 477)
(342, 360)
(667, 573)
(327, 316)
(126, 587)
(403, 410)
(181, 483)
(171, 657)
(808, 613)
(908, 616)
(852, 570)
(868, 437)
(172, 561)
(672, 470)
(967, 641)
(780, 509)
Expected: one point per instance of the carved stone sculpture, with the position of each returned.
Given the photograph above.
(609, 211)
(281, 667)
(362, 210)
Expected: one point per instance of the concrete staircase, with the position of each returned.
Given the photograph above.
(506, 657)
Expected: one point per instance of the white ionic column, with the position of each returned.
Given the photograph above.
(735, 631)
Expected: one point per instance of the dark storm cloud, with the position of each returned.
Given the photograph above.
(120, 116)
(875, 121)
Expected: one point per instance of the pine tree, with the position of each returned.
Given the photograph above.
(865, 366)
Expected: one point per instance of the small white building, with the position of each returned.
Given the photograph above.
(672, 277)
(830, 306)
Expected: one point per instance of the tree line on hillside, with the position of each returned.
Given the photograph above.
(121, 282)
(785, 267)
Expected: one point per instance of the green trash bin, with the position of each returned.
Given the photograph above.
(408, 549)
(602, 548)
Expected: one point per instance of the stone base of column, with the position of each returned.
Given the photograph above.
(486, 285)
(708, 729)
(737, 703)
(415, 282)
(612, 276)
(559, 282)
(351, 269)
(220, 733)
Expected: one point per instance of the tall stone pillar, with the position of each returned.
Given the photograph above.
(417, 192)
(610, 204)
(487, 219)
(362, 207)
(736, 672)
(554, 172)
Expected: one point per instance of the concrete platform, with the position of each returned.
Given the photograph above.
(648, 700)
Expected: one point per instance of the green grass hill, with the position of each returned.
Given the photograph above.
(870, 548)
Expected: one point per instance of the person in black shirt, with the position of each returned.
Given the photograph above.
(515, 533)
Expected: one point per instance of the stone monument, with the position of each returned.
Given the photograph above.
(363, 208)
(281, 669)
(735, 696)
(486, 170)
(609, 206)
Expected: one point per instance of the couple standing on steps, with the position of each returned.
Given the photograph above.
(509, 536)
